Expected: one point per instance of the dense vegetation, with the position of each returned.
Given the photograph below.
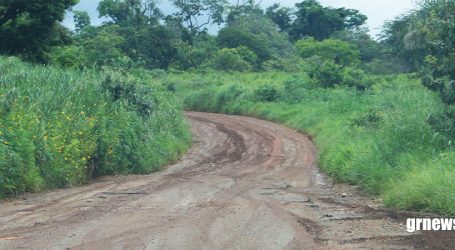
(60, 127)
(382, 111)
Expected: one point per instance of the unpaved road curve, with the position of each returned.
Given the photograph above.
(246, 184)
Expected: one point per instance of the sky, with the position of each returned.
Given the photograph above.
(377, 11)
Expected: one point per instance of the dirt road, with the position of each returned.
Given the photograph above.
(246, 184)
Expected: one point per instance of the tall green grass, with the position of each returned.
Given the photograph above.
(378, 139)
(60, 128)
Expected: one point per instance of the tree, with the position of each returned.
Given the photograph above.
(393, 36)
(312, 19)
(81, 20)
(336, 51)
(197, 14)
(257, 33)
(232, 37)
(31, 29)
(432, 34)
(241, 9)
(198, 53)
(426, 39)
(144, 40)
(231, 60)
(105, 48)
(130, 12)
(369, 48)
(152, 45)
(282, 16)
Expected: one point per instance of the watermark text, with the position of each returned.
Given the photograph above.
(430, 224)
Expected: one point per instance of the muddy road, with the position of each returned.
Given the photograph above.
(245, 184)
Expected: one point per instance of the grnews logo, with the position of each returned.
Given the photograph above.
(430, 224)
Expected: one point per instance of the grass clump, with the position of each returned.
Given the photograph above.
(60, 128)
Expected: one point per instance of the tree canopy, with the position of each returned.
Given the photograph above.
(31, 29)
(312, 19)
(138, 34)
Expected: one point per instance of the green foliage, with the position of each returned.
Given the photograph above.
(337, 51)
(233, 60)
(132, 12)
(257, 33)
(372, 118)
(67, 56)
(241, 9)
(369, 49)
(357, 78)
(332, 62)
(81, 20)
(152, 46)
(232, 38)
(379, 139)
(191, 12)
(31, 29)
(425, 38)
(266, 93)
(192, 56)
(282, 16)
(312, 19)
(104, 49)
(133, 37)
(412, 191)
(127, 90)
(326, 74)
(295, 90)
(60, 127)
(289, 64)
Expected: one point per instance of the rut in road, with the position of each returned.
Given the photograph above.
(245, 184)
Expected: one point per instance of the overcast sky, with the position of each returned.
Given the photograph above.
(378, 11)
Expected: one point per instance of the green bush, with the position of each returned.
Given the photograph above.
(327, 74)
(295, 90)
(266, 93)
(336, 51)
(230, 60)
(353, 77)
(288, 64)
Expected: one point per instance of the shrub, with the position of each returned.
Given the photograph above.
(327, 75)
(336, 51)
(137, 96)
(353, 77)
(288, 64)
(296, 89)
(230, 60)
(266, 93)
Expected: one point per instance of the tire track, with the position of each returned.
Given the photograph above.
(245, 184)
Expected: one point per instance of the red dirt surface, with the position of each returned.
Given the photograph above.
(245, 184)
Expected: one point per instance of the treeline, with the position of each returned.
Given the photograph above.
(139, 34)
